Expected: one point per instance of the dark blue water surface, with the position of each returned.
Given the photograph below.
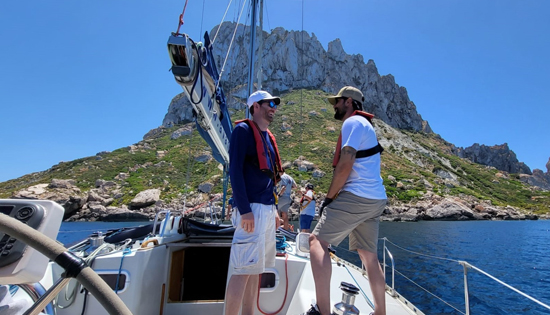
(516, 252)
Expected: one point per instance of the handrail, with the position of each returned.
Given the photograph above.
(386, 250)
(466, 265)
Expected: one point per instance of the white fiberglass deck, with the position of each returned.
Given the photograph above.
(301, 278)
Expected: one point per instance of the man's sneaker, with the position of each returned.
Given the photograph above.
(312, 311)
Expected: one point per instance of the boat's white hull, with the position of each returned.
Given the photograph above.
(190, 278)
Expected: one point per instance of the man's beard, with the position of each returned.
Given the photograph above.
(338, 115)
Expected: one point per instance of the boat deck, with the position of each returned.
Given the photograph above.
(190, 278)
(342, 271)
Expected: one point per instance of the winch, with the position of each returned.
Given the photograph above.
(346, 307)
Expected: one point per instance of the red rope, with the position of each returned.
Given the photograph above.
(181, 18)
(286, 290)
(199, 206)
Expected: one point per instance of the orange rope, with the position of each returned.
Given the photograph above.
(202, 204)
(286, 290)
(181, 18)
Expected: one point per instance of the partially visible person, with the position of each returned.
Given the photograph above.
(307, 209)
(354, 202)
(254, 170)
(286, 185)
(230, 207)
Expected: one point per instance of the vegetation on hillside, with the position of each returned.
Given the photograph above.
(171, 165)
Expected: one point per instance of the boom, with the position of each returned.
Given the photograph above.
(195, 71)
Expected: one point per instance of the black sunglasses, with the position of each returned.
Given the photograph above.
(269, 102)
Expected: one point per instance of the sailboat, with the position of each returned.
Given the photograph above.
(174, 265)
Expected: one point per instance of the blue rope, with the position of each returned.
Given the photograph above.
(287, 245)
(280, 242)
(126, 251)
(364, 295)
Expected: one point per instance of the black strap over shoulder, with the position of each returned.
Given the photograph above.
(369, 152)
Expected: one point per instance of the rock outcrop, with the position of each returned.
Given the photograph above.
(463, 208)
(293, 60)
(64, 192)
(432, 207)
(539, 178)
(497, 156)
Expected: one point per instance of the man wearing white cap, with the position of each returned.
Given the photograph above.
(354, 202)
(255, 167)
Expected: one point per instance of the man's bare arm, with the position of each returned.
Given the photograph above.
(342, 171)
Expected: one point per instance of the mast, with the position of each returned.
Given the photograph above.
(251, 54)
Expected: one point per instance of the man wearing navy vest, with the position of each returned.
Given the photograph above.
(254, 168)
(354, 202)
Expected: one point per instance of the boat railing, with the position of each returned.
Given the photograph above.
(466, 266)
(389, 254)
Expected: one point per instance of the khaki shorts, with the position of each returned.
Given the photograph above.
(351, 215)
(252, 252)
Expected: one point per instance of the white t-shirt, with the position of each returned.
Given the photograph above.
(310, 209)
(364, 180)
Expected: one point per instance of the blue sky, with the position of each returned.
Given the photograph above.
(80, 77)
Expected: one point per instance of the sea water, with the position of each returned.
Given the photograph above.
(426, 260)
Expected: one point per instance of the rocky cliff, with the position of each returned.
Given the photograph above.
(497, 156)
(294, 60)
(539, 178)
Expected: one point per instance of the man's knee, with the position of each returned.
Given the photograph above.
(313, 239)
(367, 256)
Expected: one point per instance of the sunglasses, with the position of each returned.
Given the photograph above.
(271, 104)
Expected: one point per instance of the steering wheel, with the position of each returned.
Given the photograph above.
(74, 267)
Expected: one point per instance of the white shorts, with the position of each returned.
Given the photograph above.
(252, 252)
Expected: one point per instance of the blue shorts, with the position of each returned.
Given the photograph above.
(305, 222)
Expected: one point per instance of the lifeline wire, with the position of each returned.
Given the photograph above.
(420, 254)
(427, 291)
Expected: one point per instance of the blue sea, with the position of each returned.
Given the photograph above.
(426, 259)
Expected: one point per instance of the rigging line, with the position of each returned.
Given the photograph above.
(427, 291)
(230, 44)
(420, 254)
(181, 18)
(302, 87)
(362, 292)
(267, 14)
(202, 17)
(188, 168)
(219, 25)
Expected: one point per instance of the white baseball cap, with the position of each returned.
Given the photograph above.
(260, 96)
